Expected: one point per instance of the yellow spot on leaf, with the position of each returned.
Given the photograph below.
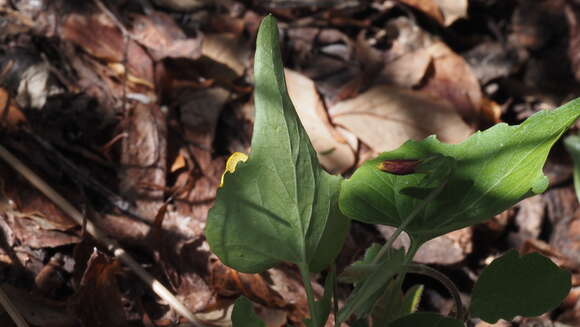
(232, 163)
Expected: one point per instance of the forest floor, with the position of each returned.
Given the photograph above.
(128, 109)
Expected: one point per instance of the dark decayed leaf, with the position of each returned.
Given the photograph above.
(512, 285)
(98, 301)
(493, 170)
(279, 205)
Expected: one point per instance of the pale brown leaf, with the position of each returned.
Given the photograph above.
(385, 117)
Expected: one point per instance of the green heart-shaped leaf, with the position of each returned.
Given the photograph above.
(492, 171)
(511, 285)
(279, 205)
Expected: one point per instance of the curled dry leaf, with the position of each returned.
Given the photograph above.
(164, 39)
(386, 117)
(38, 310)
(143, 166)
(448, 249)
(444, 12)
(182, 5)
(98, 35)
(452, 10)
(453, 80)
(333, 150)
(429, 7)
(226, 49)
(10, 115)
(98, 301)
(417, 58)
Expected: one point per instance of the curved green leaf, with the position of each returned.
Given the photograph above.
(572, 144)
(493, 170)
(279, 205)
(426, 319)
(370, 280)
(512, 285)
(244, 316)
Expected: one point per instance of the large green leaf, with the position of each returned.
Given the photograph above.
(493, 170)
(511, 285)
(279, 205)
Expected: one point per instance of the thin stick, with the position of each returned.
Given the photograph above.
(99, 235)
(11, 309)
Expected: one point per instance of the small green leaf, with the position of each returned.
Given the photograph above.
(412, 299)
(512, 285)
(279, 205)
(360, 269)
(366, 292)
(572, 144)
(490, 172)
(426, 319)
(389, 305)
(243, 314)
(323, 305)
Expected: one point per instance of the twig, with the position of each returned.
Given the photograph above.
(11, 309)
(77, 174)
(127, 37)
(99, 235)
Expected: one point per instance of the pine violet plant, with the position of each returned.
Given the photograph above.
(278, 205)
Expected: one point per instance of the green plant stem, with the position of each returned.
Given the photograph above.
(406, 222)
(305, 273)
(449, 285)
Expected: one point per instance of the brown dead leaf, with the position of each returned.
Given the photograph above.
(429, 7)
(451, 79)
(537, 23)
(226, 49)
(491, 110)
(200, 111)
(98, 301)
(142, 175)
(406, 62)
(163, 38)
(447, 249)
(98, 35)
(452, 10)
(406, 70)
(386, 117)
(230, 283)
(10, 115)
(182, 5)
(35, 221)
(333, 151)
(37, 310)
(573, 16)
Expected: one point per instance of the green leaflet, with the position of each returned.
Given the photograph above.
(279, 205)
(493, 170)
(512, 285)
(572, 144)
(244, 316)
